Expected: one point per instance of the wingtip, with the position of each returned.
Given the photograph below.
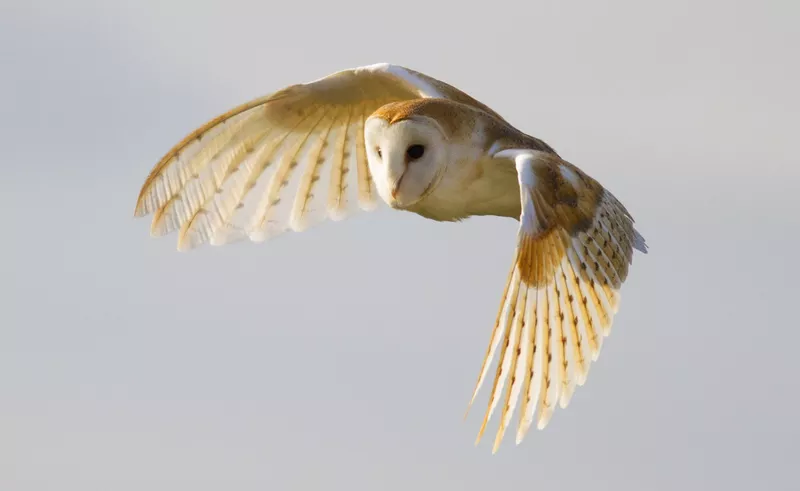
(337, 212)
(298, 224)
(144, 200)
(140, 209)
(185, 243)
(565, 398)
(466, 413)
(524, 426)
(481, 431)
(159, 227)
(544, 418)
(639, 242)
(499, 438)
(368, 204)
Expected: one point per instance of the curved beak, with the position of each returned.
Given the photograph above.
(396, 185)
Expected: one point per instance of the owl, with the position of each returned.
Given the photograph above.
(384, 133)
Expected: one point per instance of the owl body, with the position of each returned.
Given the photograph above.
(462, 178)
(386, 133)
(481, 186)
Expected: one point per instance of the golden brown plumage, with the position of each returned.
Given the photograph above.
(312, 151)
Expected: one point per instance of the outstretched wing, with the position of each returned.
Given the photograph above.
(574, 246)
(281, 162)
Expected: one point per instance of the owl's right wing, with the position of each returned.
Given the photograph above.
(281, 162)
(574, 247)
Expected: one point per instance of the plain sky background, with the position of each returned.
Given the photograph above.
(343, 358)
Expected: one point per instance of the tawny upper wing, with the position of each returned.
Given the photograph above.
(574, 246)
(281, 162)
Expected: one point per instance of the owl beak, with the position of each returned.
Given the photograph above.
(396, 186)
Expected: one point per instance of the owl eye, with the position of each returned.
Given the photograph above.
(415, 151)
(378, 150)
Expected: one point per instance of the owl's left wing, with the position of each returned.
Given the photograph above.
(285, 161)
(574, 246)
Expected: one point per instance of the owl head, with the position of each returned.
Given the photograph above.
(407, 154)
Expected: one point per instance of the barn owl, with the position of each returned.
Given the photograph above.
(385, 133)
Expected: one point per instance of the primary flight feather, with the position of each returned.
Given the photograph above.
(326, 148)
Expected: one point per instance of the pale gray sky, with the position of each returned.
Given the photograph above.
(343, 357)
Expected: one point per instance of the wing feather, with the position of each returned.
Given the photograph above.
(499, 327)
(543, 408)
(512, 354)
(595, 269)
(185, 160)
(600, 320)
(532, 366)
(575, 350)
(286, 166)
(502, 366)
(231, 198)
(604, 270)
(562, 363)
(537, 368)
(208, 171)
(366, 198)
(310, 177)
(336, 197)
(586, 323)
(552, 375)
(218, 203)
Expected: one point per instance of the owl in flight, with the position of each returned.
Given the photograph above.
(324, 149)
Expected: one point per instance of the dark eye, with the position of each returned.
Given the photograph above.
(380, 156)
(415, 151)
